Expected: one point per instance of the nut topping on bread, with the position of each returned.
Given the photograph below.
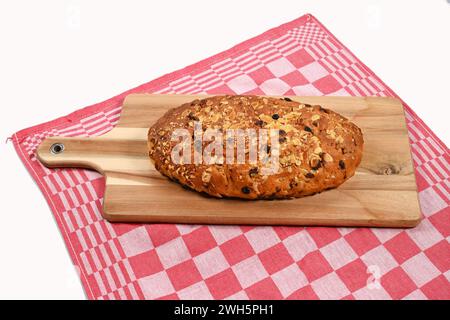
(309, 149)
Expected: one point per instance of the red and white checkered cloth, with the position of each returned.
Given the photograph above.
(160, 261)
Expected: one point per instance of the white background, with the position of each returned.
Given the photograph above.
(57, 56)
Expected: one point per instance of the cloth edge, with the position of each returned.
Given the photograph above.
(46, 193)
(117, 100)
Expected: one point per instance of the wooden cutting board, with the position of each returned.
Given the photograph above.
(382, 193)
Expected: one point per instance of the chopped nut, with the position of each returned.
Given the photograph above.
(206, 177)
(318, 150)
(287, 128)
(331, 134)
(339, 140)
(266, 118)
(284, 160)
(292, 115)
(327, 157)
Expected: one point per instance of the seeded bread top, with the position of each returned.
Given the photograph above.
(318, 148)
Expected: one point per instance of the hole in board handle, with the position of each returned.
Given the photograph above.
(57, 148)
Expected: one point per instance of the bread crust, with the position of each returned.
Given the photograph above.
(318, 148)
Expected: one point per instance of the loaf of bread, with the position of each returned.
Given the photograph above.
(316, 149)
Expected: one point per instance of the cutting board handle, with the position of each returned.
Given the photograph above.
(122, 150)
(71, 152)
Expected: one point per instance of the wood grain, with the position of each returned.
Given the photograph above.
(383, 192)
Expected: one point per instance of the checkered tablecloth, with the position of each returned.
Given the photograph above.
(157, 261)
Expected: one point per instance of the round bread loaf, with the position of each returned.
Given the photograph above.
(317, 149)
